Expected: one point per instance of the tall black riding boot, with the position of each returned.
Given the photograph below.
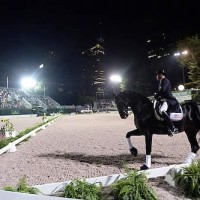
(170, 125)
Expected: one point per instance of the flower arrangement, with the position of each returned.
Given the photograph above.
(7, 129)
(8, 126)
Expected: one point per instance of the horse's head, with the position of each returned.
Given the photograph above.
(121, 100)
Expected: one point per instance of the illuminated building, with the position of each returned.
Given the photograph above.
(93, 70)
(160, 55)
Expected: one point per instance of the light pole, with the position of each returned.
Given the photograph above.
(7, 81)
(183, 53)
(44, 91)
(44, 88)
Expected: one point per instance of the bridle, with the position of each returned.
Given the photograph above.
(122, 105)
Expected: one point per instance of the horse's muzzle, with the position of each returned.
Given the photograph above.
(123, 115)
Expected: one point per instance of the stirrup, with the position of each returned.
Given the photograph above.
(172, 132)
(175, 130)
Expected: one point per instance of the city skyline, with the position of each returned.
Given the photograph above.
(31, 29)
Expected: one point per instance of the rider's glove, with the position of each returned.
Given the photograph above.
(157, 97)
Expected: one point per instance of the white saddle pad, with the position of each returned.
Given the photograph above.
(176, 116)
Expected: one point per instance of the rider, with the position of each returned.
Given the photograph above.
(167, 100)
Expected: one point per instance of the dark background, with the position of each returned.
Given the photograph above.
(29, 29)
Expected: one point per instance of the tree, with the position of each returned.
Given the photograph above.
(39, 87)
(191, 60)
(123, 85)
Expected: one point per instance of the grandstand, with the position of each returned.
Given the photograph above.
(15, 101)
(105, 105)
(18, 101)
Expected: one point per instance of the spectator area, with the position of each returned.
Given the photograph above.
(12, 98)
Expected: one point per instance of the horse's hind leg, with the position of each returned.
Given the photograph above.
(132, 149)
(192, 137)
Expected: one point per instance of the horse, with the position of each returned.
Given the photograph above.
(148, 124)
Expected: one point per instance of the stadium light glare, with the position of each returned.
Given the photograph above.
(181, 87)
(41, 66)
(116, 78)
(28, 82)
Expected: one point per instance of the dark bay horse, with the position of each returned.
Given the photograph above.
(147, 124)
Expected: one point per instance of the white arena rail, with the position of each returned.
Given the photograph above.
(50, 189)
(167, 172)
(11, 147)
(5, 195)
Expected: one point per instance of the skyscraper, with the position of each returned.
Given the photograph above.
(160, 53)
(93, 69)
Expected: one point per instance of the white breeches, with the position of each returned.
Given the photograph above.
(163, 107)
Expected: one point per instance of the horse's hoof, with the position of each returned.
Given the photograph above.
(134, 151)
(144, 167)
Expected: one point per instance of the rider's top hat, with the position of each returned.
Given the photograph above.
(160, 72)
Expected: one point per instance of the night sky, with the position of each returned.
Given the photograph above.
(29, 29)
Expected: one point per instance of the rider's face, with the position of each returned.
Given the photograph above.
(158, 77)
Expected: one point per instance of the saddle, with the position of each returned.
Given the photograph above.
(175, 115)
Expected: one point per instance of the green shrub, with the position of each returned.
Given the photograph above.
(189, 179)
(82, 190)
(22, 187)
(133, 187)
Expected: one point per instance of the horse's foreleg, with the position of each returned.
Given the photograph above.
(148, 141)
(132, 149)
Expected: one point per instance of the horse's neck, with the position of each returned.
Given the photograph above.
(136, 109)
(139, 104)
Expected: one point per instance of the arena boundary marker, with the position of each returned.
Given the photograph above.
(53, 188)
(11, 147)
(167, 172)
(6, 195)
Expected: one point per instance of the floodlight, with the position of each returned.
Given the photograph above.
(181, 87)
(116, 78)
(185, 52)
(177, 54)
(41, 66)
(28, 82)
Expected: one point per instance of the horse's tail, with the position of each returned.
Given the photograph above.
(193, 111)
(198, 111)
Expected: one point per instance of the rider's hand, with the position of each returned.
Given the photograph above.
(157, 97)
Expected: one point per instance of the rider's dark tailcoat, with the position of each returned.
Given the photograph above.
(164, 92)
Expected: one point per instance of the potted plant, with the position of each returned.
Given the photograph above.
(8, 129)
(188, 179)
(80, 189)
(134, 186)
